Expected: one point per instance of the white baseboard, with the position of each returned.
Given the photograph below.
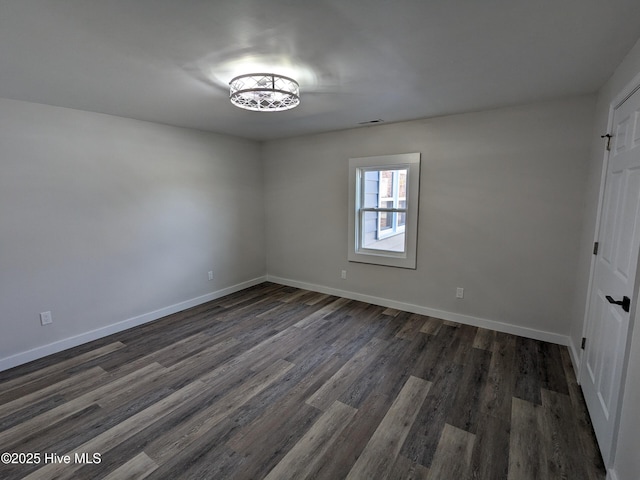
(432, 312)
(60, 345)
(575, 355)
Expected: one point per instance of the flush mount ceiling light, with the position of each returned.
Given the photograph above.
(264, 92)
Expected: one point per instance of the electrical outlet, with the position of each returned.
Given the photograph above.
(210, 275)
(46, 318)
(459, 292)
(343, 274)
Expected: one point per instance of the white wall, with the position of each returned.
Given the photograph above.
(627, 461)
(105, 219)
(500, 213)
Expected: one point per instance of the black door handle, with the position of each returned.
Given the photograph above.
(625, 303)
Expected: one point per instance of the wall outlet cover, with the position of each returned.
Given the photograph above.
(46, 318)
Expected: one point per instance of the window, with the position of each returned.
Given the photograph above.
(383, 209)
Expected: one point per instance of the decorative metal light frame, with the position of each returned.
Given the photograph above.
(264, 92)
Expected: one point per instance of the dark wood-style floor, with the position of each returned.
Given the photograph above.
(275, 382)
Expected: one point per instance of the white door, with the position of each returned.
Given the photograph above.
(614, 275)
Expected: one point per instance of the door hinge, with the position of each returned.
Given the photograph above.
(608, 137)
(583, 344)
(595, 247)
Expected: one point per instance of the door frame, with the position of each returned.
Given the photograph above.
(617, 101)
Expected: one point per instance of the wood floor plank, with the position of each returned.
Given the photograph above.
(211, 440)
(284, 428)
(295, 296)
(88, 423)
(21, 414)
(381, 451)
(106, 440)
(452, 460)
(139, 467)
(278, 422)
(394, 326)
(527, 377)
(66, 410)
(484, 339)
(200, 363)
(412, 326)
(260, 308)
(527, 458)
(440, 354)
(309, 451)
(189, 431)
(343, 378)
(394, 362)
(364, 324)
(426, 431)
(215, 462)
(272, 309)
(490, 458)
(180, 350)
(552, 375)
(431, 326)
(235, 364)
(275, 347)
(465, 335)
(405, 469)
(349, 444)
(313, 298)
(586, 436)
(249, 295)
(464, 413)
(291, 343)
(559, 427)
(498, 391)
(372, 394)
(41, 375)
(66, 386)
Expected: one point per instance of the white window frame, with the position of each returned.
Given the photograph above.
(357, 168)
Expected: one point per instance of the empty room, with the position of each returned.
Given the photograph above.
(350, 239)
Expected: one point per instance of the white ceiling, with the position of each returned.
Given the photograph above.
(168, 61)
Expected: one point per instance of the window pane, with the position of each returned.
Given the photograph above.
(386, 220)
(384, 188)
(371, 238)
(386, 185)
(371, 182)
(402, 184)
(402, 217)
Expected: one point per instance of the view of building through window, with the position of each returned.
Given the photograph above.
(385, 198)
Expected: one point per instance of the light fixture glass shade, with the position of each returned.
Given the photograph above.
(264, 92)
